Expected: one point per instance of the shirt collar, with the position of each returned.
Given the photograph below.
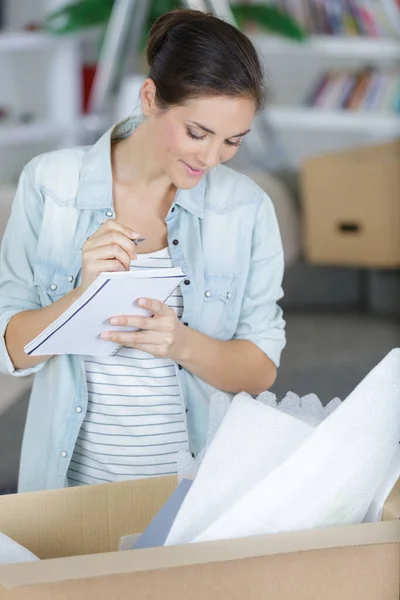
(95, 183)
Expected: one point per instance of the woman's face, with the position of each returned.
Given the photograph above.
(193, 138)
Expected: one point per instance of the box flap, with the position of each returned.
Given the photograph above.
(133, 561)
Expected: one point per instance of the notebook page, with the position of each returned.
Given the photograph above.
(78, 330)
(81, 301)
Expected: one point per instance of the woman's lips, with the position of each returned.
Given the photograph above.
(193, 172)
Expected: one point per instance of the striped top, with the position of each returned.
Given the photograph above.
(135, 422)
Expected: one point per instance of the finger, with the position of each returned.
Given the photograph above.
(159, 309)
(110, 238)
(133, 339)
(113, 251)
(113, 225)
(108, 266)
(144, 323)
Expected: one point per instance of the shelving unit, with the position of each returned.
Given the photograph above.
(29, 133)
(319, 120)
(356, 47)
(41, 86)
(12, 41)
(292, 68)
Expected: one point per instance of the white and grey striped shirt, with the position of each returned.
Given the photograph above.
(135, 423)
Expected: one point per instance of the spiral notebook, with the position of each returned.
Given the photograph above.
(77, 330)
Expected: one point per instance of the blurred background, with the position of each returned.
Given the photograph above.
(326, 149)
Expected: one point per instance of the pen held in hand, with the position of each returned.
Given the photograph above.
(138, 241)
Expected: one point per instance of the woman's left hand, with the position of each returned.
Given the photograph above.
(161, 335)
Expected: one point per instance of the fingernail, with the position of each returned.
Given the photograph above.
(114, 321)
(105, 336)
(142, 302)
(135, 235)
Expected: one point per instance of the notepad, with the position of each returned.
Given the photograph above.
(77, 330)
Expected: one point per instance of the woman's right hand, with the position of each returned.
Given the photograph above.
(110, 248)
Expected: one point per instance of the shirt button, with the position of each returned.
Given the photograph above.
(180, 367)
(175, 242)
(64, 454)
(229, 295)
(187, 282)
(70, 279)
(78, 409)
(53, 287)
(207, 294)
(109, 213)
(187, 324)
(173, 209)
(187, 410)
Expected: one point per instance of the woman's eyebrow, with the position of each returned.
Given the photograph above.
(213, 132)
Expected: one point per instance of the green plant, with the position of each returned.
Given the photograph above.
(82, 14)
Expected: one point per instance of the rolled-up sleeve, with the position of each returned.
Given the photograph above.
(261, 319)
(17, 257)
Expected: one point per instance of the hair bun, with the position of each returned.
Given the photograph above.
(164, 24)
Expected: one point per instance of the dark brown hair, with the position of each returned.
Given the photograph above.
(192, 54)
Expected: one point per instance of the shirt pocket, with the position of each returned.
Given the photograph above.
(218, 304)
(53, 281)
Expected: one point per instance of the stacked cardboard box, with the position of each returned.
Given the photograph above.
(351, 207)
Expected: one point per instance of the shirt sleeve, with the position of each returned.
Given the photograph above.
(261, 319)
(17, 257)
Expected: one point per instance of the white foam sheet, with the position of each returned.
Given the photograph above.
(12, 552)
(392, 474)
(333, 476)
(252, 440)
(187, 465)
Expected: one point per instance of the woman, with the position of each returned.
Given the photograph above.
(76, 214)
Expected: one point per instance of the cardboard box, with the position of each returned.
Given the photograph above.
(357, 562)
(351, 207)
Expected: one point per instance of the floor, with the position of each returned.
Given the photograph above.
(327, 354)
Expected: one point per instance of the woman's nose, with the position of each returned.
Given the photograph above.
(211, 156)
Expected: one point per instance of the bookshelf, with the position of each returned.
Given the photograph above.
(292, 69)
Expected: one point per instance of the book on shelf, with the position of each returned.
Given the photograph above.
(368, 90)
(372, 18)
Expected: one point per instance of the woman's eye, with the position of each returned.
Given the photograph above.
(236, 144)
(193, 136)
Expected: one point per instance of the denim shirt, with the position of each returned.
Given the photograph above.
(223, 233)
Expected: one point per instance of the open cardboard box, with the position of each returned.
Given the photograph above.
(77, 532)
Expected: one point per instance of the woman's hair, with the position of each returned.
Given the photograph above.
(192, 54)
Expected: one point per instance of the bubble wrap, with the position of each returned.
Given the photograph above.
(308, 408)
(187, 465)
(11, 552)
(335, 473)
(252, 440)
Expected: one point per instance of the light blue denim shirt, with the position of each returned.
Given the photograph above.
(223, 234)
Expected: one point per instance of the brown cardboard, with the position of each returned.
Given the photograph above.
(351, 207)
(350, 562)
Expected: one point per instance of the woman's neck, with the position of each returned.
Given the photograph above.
(134, 162)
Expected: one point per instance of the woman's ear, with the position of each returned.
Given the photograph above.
(148, 97)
